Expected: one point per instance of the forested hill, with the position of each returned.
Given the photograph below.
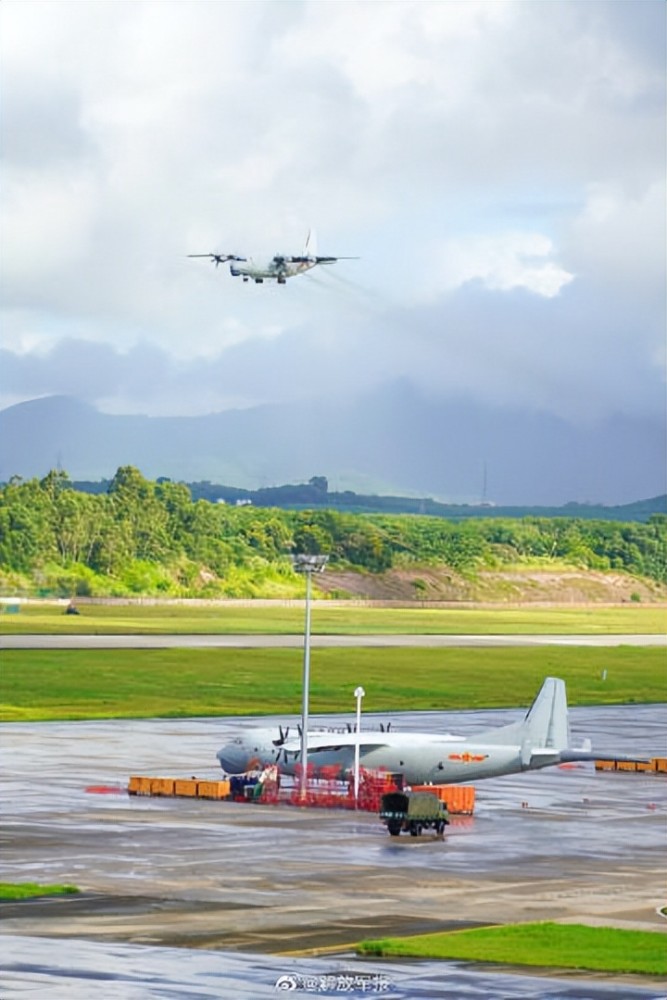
(316, 494)
(152, 538)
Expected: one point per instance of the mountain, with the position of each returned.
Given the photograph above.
(394, 440)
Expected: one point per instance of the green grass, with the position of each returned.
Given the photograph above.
(40, 685)
(564, 946)
(282, 618)
(28, 890)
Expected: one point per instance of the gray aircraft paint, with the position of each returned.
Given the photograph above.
(541, 739)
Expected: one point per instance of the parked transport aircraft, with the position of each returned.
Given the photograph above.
(541, 739)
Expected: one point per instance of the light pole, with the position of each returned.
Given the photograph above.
(307, 564)
(358, 694)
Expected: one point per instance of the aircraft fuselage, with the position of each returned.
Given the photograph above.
(272, 270)
(422, 759)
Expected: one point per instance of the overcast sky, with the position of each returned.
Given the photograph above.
(498, 167)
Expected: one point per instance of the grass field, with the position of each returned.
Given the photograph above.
(565, 946)
(28, 890)
(289, 619)
(89, 684)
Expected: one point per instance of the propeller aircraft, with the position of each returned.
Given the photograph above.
(541, 739)
(278, 268)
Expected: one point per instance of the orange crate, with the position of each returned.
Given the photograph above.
(162, 786)
(213, 789)
(458, 799)
(185, 786)
(139, 785)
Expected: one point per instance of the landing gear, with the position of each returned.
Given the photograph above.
(282, 280)
(259, 281)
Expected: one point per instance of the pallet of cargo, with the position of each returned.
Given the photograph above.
(324, 790)
(191, 788)
(656, 765)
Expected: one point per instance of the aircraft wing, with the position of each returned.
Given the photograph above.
(311, 260)
(336, 741)
(569, 756)
(219, 258)
(332, 260)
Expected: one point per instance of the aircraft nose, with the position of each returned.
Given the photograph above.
(232, 759)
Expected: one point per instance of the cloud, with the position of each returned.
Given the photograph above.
(502, 263)
(497, 167)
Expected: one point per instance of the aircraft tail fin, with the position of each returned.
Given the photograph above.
(546, 725)
(547, 718)
(310, 249)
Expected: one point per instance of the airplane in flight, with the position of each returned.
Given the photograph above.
(278, 268)
(541, 739)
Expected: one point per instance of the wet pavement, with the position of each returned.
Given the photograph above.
(244, 885)
(34, 967)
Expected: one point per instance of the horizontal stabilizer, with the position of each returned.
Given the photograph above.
(570, 756)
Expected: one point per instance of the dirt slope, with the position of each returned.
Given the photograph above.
(428, 583)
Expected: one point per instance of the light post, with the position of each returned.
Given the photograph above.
(358, 694)
(307, 564)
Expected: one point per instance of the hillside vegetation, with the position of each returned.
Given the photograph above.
(151, 538)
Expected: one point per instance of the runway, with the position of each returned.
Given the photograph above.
(204, 899)
(263, 641)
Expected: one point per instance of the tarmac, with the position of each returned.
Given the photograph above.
(260, 641)
(251, 891)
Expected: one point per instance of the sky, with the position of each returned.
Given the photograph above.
(497, 167)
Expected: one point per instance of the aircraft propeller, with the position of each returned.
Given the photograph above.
(284, 733)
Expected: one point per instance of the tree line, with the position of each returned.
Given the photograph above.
(316, 494)
(145, 537)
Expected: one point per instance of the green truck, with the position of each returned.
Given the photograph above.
(414, 812)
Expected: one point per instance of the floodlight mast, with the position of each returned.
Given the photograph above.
(359, 693)
(306, 564)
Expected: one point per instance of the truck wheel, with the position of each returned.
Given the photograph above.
(394, 828)
(415, 829)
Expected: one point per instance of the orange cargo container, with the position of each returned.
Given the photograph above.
(626, 765)
(459, 799)
(660, 764)
(188, 787)
(139, 785)
(185, 786)
(162, 786)
(605, 765)
(212, 789)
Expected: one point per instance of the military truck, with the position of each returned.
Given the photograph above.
(414, 812)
